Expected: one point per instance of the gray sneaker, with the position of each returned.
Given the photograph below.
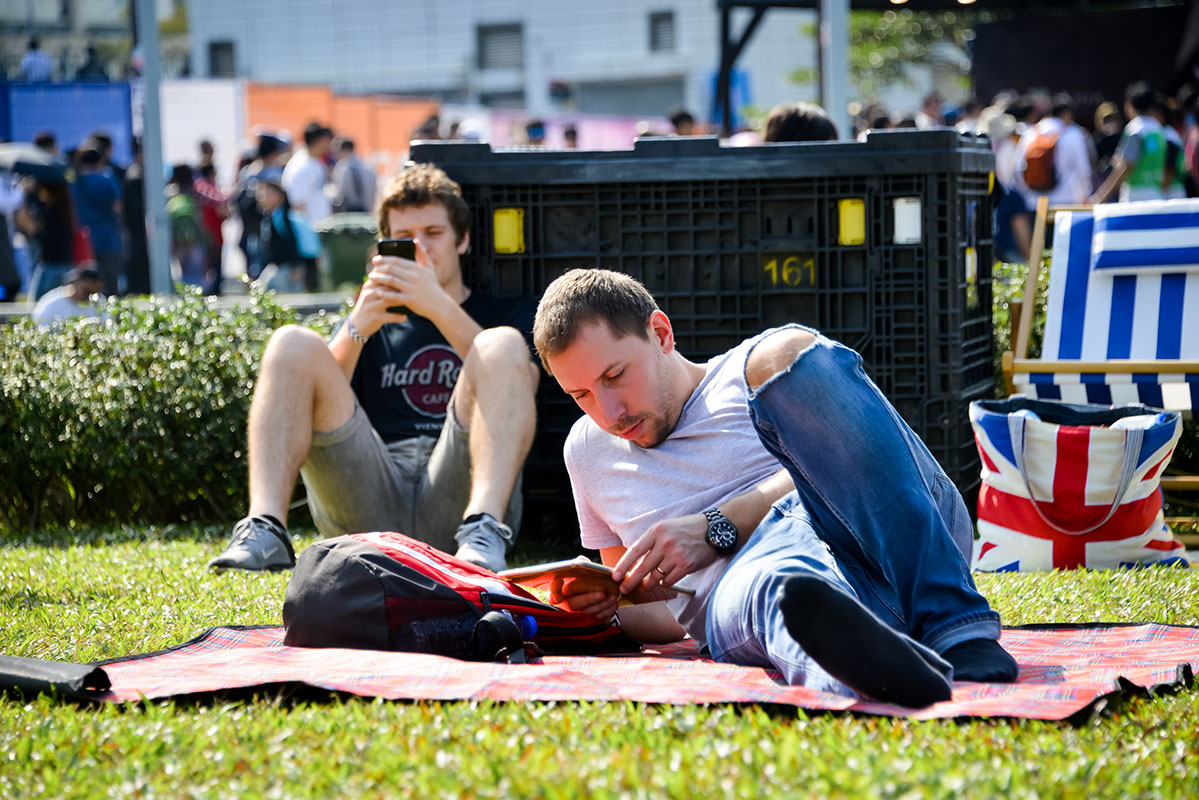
(257, 543)
(484, 541)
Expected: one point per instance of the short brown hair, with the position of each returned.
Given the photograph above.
(422, 185)
(583, 296)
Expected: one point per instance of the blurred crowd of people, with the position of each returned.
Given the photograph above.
(38, 65)
(85, 211)
(91, 213)
(74, 211)
(1142, 149)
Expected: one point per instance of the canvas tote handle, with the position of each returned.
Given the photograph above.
(1132, 446)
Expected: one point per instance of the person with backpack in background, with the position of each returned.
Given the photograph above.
(1053, 158)
(269, 154)
(189, 239)
(1139, 166)
(289, 244)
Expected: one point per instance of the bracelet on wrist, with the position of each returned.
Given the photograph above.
(354, 334)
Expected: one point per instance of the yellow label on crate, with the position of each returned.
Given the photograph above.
(785, 269)
(508, 230)
(852, 213)
(971, 277)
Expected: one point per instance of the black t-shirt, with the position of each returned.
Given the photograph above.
(55, 232)
(407, 369)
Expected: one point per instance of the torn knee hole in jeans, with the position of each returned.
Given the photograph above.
(775, 354)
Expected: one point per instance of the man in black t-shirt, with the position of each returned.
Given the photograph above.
(417, 422)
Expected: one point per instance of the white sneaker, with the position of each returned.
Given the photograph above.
(257, 543)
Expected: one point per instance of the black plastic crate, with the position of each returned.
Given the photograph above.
(731, 241)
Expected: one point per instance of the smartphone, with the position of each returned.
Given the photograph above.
(401, 248)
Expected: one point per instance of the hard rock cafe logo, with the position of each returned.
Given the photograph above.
(427, 380)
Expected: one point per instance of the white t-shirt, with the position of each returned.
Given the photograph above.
(1071, 162)
(304, 180)
(714, 453)
(37, 66)
(56, 304)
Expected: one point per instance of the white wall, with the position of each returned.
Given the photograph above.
(203, 109)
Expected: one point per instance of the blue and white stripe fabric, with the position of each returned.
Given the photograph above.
(1154, 236)
(1124, 284)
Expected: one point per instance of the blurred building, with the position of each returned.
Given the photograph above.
(637, 57)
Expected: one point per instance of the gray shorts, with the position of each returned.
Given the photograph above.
(418, 487)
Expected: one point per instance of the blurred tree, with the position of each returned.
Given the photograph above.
(884, 46)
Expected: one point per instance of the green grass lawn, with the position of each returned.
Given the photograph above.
(95, 595)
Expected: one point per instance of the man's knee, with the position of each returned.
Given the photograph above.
(503, 349)
(292, 346)
(775, 354)
(503, 342)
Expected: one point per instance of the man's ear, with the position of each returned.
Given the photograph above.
(464, 245)
(660, 331)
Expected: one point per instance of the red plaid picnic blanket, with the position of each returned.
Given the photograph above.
(1064, 670)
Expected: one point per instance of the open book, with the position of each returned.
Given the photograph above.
(540, 576)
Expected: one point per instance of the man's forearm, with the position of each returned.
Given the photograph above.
(651, 623)
(746, 511)
(345, 350)
(1112, 183)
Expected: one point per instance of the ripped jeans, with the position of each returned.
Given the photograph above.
(872, 513)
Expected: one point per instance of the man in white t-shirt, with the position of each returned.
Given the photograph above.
(75, 298)
(1071, 157)
(818, 533)
(305, 176)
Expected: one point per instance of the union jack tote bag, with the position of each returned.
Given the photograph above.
(1067, 486)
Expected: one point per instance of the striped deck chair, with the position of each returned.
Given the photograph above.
(1122, 313)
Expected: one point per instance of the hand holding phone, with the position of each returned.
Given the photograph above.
(400, 248)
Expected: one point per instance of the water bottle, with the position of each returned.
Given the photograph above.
(526, 625)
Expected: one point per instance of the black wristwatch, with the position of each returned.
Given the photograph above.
(722, 534)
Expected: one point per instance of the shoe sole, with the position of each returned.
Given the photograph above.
(277, 568)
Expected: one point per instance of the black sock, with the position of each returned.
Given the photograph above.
(856, 647)
(477, 518)
(982, 660)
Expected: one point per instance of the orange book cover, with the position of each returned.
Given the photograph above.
(541, 576)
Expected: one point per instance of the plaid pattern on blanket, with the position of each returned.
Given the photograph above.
(1063, 671)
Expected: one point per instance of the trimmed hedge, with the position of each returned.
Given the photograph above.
(139, 418)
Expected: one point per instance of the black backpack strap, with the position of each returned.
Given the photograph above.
(497, 638)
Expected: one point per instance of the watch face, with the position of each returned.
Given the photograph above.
(722, 535)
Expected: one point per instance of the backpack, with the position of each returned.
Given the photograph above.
(387, 591)
(184, 219)
(1040, 174)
